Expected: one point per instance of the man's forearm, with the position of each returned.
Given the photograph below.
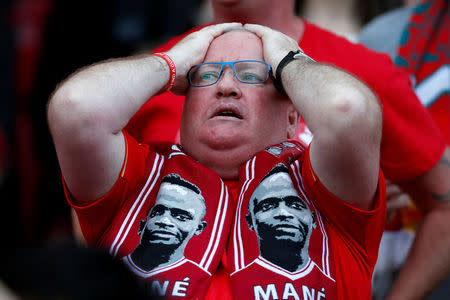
(345, 118)
(111, 92)
(319, 90)
(87, 113)
(428, 262)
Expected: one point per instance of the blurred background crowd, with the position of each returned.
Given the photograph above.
(44, 41)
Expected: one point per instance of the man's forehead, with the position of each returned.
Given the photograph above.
(276, 185)
(178, 195)
(235, 45)
(167, 187)
(280, 180)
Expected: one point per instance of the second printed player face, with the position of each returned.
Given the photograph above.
(278, 212)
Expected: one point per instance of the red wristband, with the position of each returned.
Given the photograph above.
(173, 70)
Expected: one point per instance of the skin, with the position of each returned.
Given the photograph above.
(265, 117)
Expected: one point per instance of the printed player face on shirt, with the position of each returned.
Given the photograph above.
(174, 219)
(281, 220)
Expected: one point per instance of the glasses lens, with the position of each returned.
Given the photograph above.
(251, 71)
(204, 74)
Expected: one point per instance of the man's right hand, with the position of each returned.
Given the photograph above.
(192, 50)
(275, 44)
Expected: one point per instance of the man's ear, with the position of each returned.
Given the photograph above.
(314, 220)
(200, 227)
(248, 218)
(141, 226)
(293, 118)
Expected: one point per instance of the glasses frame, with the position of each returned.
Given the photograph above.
(230, 63)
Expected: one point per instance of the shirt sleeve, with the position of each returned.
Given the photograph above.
(95, 217)
(412, 142)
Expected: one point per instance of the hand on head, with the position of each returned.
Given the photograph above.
(275, 44)
(192, 49)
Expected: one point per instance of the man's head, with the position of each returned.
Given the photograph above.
(233, 119)
(277, 214)
(176, 216)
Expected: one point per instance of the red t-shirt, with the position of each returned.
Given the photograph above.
(342, 248)
(173, 281)
(273, 282)
(411, 145)
(115, 221)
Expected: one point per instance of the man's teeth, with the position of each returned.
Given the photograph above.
(228, 113)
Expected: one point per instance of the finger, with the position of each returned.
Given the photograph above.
(259, 30)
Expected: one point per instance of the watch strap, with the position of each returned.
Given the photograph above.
(292, 55)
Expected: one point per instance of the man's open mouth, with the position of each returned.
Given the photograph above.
(159, 233)
(228, 111)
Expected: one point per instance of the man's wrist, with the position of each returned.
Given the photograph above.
(292, 55)
(172, 69)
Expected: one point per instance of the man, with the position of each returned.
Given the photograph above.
(422, 171)
(281, 220)
(232, 112)
(174, 219)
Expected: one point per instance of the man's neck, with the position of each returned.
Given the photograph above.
(279, 17)
(291, 259)
(149, 259)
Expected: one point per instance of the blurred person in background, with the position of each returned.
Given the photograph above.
(416, 36)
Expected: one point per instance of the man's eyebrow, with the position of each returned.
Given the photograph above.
(265, 200)
(295, 198)
(180, 211)
(157, 206)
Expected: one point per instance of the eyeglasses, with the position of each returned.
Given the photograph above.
(246, 71)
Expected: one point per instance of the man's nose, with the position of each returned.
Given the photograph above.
(164, 221)
(228, 85)
(282, 212)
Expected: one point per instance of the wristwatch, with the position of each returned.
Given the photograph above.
(292, 55)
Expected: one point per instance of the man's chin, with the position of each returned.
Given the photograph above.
(226, 141)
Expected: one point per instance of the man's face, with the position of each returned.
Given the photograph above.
(278, 213)
(175, 217)
(230, 118)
